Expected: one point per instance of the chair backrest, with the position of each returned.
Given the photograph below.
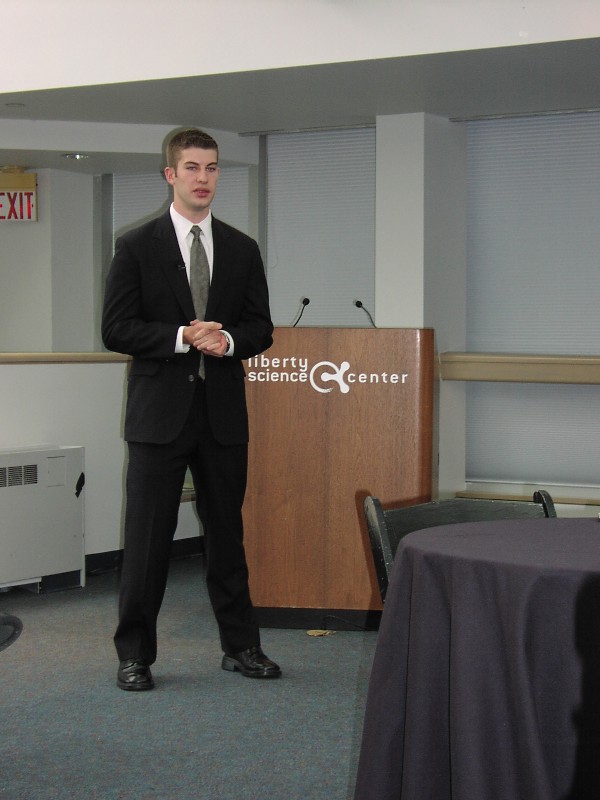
(10, 630)
(387, 527)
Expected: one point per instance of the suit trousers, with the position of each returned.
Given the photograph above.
(155, 477)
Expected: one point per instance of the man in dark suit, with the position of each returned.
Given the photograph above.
(186, 404)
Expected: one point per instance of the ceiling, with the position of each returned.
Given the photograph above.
(526, 79)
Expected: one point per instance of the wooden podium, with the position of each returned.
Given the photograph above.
(335, 414)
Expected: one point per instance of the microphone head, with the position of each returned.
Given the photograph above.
(303, 303)
(358, 304)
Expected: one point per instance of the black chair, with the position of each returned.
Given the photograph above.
(387, 527)
(10, 630)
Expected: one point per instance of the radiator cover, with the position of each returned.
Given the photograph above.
(41, 515)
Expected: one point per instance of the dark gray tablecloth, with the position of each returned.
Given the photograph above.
(486, 678)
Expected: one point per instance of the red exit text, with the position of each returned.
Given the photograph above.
(18, 205)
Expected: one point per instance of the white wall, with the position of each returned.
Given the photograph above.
(83, 405)
(26, 280)
(47, 268)
(80, 44)
(71, 201)
(73, 404)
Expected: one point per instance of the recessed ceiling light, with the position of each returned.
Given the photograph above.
(76, 156)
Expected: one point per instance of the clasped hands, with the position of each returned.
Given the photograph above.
(206, 337)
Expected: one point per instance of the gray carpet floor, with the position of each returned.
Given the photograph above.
(67, 732)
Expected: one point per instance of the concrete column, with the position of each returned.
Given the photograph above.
(420, 254)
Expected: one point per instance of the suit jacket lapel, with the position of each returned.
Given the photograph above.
(171, 261)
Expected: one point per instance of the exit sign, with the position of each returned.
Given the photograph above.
(18, 200)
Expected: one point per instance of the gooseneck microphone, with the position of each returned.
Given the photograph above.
(359, 304)
(304, 302)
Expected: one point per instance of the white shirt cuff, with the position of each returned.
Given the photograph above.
(180, 346)
(230, 340)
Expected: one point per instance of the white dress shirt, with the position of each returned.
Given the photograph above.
(183, 228)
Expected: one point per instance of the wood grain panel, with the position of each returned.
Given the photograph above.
(314, 455)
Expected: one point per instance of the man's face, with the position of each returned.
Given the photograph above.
(194, 181)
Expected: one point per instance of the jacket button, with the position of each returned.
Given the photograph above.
(191, 378)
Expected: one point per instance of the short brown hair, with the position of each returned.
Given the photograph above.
(188, 137)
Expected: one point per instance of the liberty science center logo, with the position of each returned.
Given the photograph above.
(323, 376)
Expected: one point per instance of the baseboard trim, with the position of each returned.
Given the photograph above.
(334, 619)
(185, 548)
(58, 582)
(99, 563)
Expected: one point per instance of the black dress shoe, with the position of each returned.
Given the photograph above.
(134, 676)
(252, 663)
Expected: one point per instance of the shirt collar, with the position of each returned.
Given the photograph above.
(183, 225)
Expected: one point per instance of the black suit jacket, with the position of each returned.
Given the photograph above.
(148, 298)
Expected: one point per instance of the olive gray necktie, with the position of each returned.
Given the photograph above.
(199, 280)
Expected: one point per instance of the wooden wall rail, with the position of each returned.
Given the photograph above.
(453, 366)
(519, 368)
(62, 358)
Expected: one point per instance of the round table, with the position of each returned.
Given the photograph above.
(486, 678)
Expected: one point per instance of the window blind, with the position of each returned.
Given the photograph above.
(137, 198)
(321, 226)
(533, 285)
